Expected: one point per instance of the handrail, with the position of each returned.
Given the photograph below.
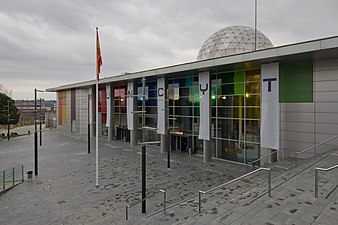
(9, 177)
(148, 196)
(252, 164)
(200, 192)
(316, 145)
(316, 176)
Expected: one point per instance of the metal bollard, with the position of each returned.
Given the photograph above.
(13, 176)
(316, 183)
(4, 179)
(253, 166)
(164, 201)
(296, 158)
(22, 175)
(199, 200)
(127, 206)
(269, 183)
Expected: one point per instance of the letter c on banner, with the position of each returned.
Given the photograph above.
(160, 92)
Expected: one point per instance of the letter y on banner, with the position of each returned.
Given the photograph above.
(205, 115)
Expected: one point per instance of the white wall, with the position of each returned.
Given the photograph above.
(82, 110)
(326, 102)
(305, 124)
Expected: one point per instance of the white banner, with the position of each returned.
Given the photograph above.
(161, 105)
(90, 92)
(204, 93)
(130, 105)
(108, 101)
(270, 106)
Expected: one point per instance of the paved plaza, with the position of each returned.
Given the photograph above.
(64, 192)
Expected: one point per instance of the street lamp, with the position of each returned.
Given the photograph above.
(40, 124)
(8, 125)
(35, 133)
(144, 185)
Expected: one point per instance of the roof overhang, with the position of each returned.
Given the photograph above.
(321, 49)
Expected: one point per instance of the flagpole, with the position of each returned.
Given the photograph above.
(255, 47)
(97, 112)
(97, 134)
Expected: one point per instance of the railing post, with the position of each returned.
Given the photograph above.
(13, 176)
(296, 158)
(269, 182)
(127, 206)
(144, 177)
(22, 175)
(316, 183)
(164, 201)
(199, 201)
(4, 179)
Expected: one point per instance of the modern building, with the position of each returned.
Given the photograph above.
(241, 99)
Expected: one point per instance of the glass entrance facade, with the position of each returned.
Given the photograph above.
(150, 108)
(184, 112)
(236, 114)
(235, 126)
(235, 107)
(120, 111)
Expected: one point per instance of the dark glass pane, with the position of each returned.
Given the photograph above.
(252, 75)
(184, 91)
(253, 113)
(228, 128)
(253, 87)
(184, 124)
(230, 150)
(183, 101)
(252, 131)
(253, 100)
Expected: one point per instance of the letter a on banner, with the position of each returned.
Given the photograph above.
(270, 106)
(108, 101)
(130, 105)
(204, 93)
(161, 105)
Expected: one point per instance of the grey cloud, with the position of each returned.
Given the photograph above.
(50, 42)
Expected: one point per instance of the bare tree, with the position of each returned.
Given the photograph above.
(5, 90)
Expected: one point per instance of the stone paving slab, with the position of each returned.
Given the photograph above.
(292, 202)
(64, 192)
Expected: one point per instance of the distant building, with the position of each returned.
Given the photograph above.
(27, 110)
(233, 103)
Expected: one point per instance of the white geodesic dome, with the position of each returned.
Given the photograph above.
(233, 40)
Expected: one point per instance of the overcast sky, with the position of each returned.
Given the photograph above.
(48, 43)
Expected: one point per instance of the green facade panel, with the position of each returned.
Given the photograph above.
(296, 82)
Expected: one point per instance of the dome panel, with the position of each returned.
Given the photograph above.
(232, 40)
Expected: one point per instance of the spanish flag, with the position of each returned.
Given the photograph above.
(98, 55)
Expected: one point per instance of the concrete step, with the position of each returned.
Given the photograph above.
(294, 191)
